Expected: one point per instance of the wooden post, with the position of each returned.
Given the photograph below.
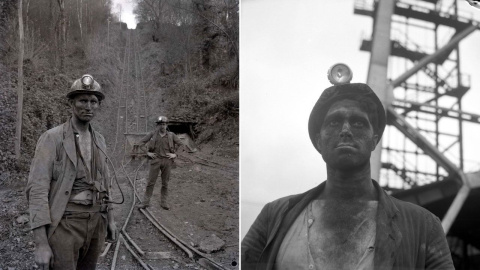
(18, 132)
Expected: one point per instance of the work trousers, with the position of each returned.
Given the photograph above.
(156, 165)
(78, 240)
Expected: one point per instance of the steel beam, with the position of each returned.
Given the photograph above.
(455, 208)
(471, 180)
(430, 58)
(377, 70)
(410, 132)
(437, 110)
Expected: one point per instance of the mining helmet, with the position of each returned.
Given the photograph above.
(162, 119)
(86, 85)
(340, 75)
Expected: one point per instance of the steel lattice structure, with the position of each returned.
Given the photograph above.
(415, 68)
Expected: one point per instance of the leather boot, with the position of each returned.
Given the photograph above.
(148, 196)
(163, 199)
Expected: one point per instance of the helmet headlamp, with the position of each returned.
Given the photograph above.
(339, 74)
(86, 85)
(162, 119)
(87, 81)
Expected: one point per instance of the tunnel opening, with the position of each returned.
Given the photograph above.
(182, 127)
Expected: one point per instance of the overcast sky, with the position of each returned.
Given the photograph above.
(127, 11)
(286, 49)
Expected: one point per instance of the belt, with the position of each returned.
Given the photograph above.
(92, 208)
(160, 157)
(84, 196)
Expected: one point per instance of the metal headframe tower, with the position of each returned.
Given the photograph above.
(415, 69)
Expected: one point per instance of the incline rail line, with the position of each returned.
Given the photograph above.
(125, 64)
(139, 77)
(145, 115)
(194, 254)
(130, 95)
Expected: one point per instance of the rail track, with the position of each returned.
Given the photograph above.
(149, 242)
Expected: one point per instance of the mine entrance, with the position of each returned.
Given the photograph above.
(181, 127)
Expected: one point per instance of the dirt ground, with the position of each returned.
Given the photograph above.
(203, 200)
(204, 186)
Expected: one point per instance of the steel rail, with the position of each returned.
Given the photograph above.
(136, 65)
(126, 91)
(128, 217)
(173, 239)
(126, 80)
(115, 254)
(135, 194)
(140, 251)
(204, 260)
(144, 91)
(199, 253)
(125, 63)
(106, 250)
(142, 263)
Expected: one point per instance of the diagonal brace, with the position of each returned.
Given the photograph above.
(430, 58)
(410, 132)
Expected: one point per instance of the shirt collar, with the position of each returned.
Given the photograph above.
(75, 131)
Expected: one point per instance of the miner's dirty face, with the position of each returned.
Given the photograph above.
(162, 126)
(84, 106)
(346, 138)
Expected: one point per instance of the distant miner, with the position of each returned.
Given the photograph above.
(348, 221)
(161, 151)
(67, 188)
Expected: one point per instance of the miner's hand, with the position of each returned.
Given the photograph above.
(171, 155)
(44, 256)
(152, 155)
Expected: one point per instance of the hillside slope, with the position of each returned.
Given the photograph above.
(205, 186)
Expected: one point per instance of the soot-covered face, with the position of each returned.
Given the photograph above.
(346, 138)
(84, 106)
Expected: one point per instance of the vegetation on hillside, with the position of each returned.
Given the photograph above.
(189, 50)
(188, 55)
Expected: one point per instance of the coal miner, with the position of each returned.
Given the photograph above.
(161, 145)
(67, 188)
(348, 221)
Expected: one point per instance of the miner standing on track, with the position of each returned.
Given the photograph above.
(161, 151)
(68, 189)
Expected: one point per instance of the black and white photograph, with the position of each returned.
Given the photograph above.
(239, 134)
(359, 134)
(119, 134)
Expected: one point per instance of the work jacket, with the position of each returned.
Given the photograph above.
(53, 171)
(407, 236)
(152, 141)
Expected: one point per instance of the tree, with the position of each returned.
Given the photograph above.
(18, 133)
(79, 17)
(200, 34)
(62, 33)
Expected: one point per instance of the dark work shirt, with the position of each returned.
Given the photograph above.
(159, 144)
(81, 182)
